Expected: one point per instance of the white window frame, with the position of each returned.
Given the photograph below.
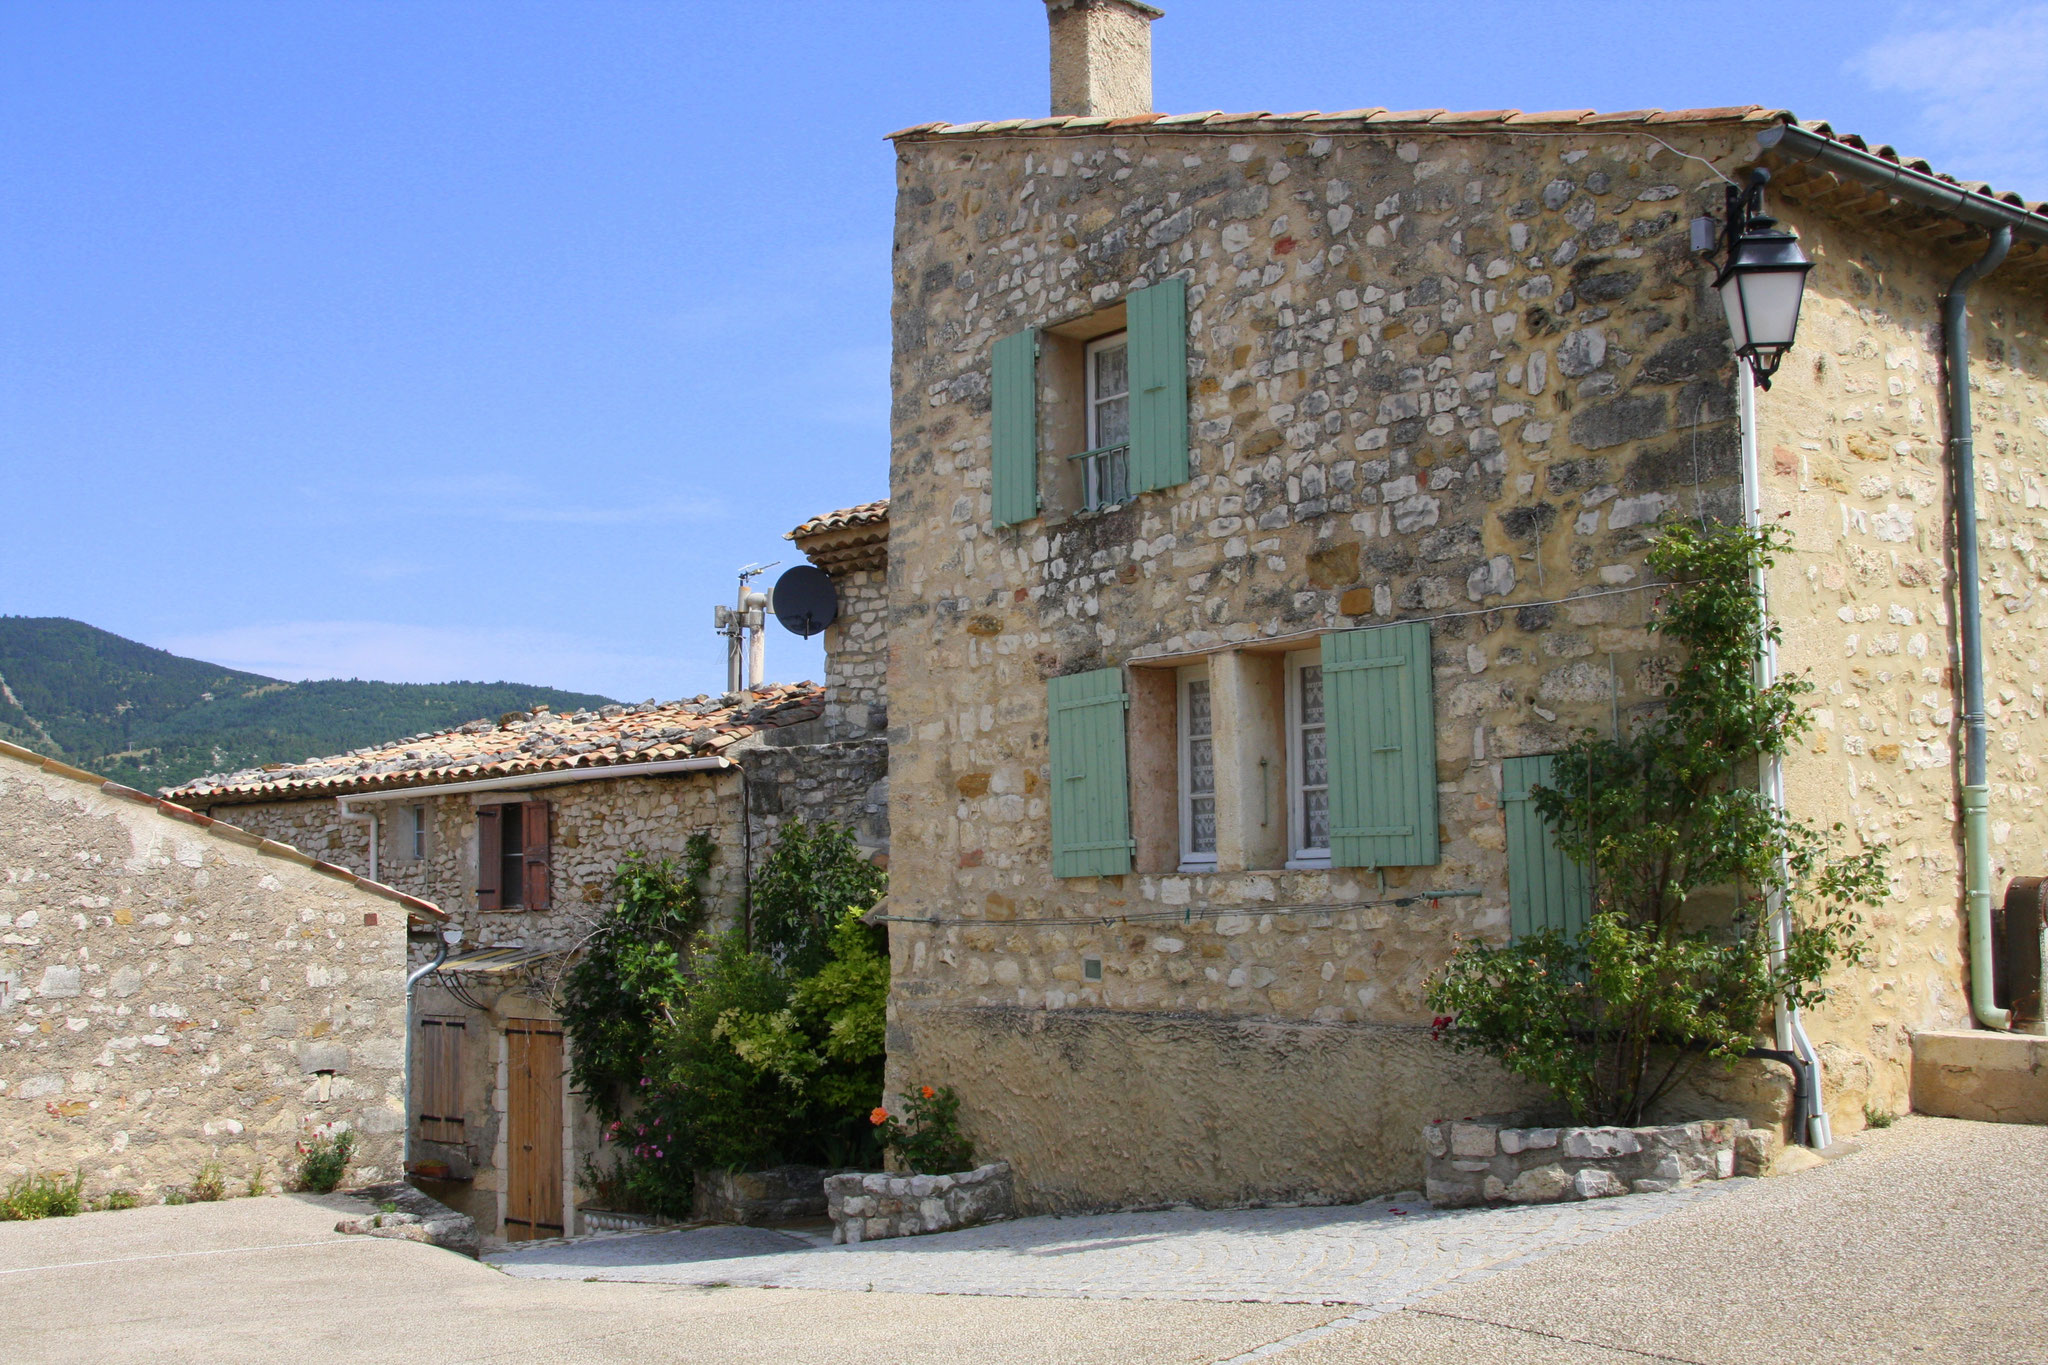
(1190, 860)
(1094, 470)
(418, 844)
(1298, 854)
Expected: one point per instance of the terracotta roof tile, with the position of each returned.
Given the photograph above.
(866, 514)
(537, 743)
(221, 829)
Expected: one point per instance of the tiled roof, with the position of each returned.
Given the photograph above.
(867, 514)
(522, 744)
(221, 829)
(1434, 120)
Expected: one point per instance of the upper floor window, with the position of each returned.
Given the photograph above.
(1106, 464)
(514, 855)
(416, 831)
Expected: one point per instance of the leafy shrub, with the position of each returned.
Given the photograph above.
(927, 1140)
(42, 1196)
(210, 1185)
(1879, 1117)
(633, 969)
(114, 1200)
(805, 884)
(257, 1187)
(323, 1161)
(754, 1055)
(1675, 966)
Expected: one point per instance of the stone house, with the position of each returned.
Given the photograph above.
(1272, 494)
(517, 825)
(178, 993)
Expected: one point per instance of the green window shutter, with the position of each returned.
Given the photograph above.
(1158, 322)
(1380, 713)
(1091, 813)
(1013, 456)
(1546, 890)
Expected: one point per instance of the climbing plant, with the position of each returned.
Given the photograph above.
(633, 970)
(1674, 967)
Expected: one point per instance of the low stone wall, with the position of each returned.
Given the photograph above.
(867, 1207)
(781, 1194)
(1496, 1161)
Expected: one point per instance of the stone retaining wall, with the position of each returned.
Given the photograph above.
(1490, 1161)
(867, 1207)
(780, 1194)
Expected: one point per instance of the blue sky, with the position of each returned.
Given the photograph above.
(431, 340)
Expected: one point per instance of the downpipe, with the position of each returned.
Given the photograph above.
(1794, 1048)
(450, 936)
(1976, 793)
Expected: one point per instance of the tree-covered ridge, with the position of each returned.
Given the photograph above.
(151, 718)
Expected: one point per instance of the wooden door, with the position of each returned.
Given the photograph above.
(533, 1204)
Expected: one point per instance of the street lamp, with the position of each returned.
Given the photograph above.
(1762, 277)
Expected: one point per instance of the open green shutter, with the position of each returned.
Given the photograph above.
(1158, 322)
(1546, 889)
(1091, 815)
(1013, 456)
(1380, 714)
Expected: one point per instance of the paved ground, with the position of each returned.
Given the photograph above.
(1927, 1247)
(1379, 1255)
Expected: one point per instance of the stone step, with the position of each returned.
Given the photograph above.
(1979, 1074)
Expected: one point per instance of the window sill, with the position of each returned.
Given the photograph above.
(1196, 867)
(1309, 863)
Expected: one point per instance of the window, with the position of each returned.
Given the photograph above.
(440, 1080)
(416, 831)
(1106, 464)
(1308, 762)
(513, 856)
(1197, 771)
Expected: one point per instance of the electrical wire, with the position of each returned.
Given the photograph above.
(1187, 914)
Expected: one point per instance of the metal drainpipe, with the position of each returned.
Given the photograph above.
(1962, 443)
(1794, 1048)
(449, 938)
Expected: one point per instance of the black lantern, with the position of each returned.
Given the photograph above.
(1762, 278)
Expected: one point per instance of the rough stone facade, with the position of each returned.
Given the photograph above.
(852, 546)
(1481, 1161)
(869, 1206)
(1852, 447)
(1453, 376)
(175, 992)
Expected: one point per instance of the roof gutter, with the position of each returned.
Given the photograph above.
(526, 781)
(1789, 142)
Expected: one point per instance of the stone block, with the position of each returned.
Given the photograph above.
(1754, 1151)
(1515, 1141)
(1542, 1185)
(1599, 1143)
(1449, 1194)
(1597, 1184)
(1472, 1139)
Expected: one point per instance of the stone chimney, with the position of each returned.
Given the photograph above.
(1101, 57)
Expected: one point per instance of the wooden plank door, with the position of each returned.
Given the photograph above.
(533, 1204)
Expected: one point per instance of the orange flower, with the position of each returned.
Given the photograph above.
(878, 1115)
(927, 1092)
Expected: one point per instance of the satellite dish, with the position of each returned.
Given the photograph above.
(804, 601)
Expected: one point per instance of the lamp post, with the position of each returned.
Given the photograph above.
(1762, 277)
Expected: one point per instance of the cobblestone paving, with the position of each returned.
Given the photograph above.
(1379, 1255)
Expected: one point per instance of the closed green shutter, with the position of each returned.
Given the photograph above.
(1546, 889)
(1091, 815)
(1013, 455)
(1158, 323)
(1380, 713)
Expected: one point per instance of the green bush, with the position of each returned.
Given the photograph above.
(210, 1185)
(927, 1140)
(114, 1200)
(42, 1196)
(323, 1161)
(633, 971)
(1674, 967)
(754, 1054)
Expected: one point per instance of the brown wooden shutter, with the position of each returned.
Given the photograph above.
(490, 857)
(535, 844)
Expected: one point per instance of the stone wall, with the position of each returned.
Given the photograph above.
(857, 654)
(1432, 376)
(847, 782)
(870, 1206)
(172, 996)
(1499, 1161)
(1852, 447)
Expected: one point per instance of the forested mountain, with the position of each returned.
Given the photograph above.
(151, 719)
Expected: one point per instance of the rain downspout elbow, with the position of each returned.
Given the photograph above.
(1976, 805)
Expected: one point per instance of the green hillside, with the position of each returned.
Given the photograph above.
(151, 719)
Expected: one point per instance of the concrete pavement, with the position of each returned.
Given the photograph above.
(1925, 1247)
